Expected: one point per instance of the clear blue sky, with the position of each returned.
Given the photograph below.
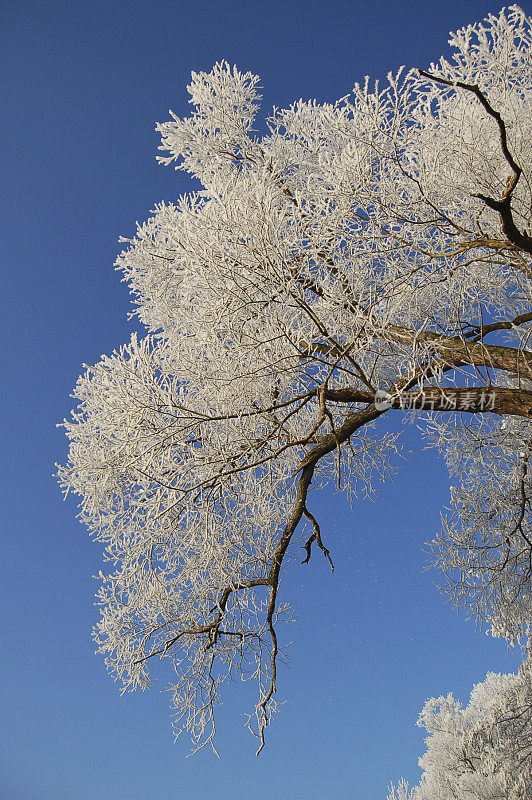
(83, 86)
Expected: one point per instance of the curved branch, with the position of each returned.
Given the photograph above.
(502, 206)
(316, 537)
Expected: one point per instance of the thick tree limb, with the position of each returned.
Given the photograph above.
(456, 351)
(474, 400)
(504, 325)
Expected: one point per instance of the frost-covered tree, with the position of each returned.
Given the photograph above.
(482, 751)
(358, 261)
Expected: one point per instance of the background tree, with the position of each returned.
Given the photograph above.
(482, 751)
(359, 260)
